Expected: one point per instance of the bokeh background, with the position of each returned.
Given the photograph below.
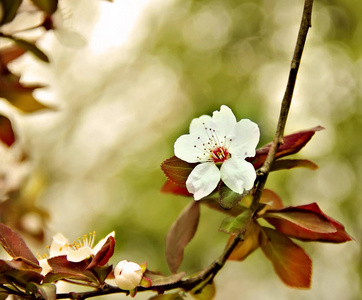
(126, 78)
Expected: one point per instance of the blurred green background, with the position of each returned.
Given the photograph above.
(124, 105)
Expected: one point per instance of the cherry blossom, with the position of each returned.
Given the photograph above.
(75, 252)
(220, 145)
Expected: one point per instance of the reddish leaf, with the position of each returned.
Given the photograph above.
(307, 223)
(104, 254)
(284, 164)
(8, 55)
(13, 272)
(31, 47)
(248, 245)
(64, 269)
(158, 279)
(180, 234)
(177, 170)
(172, 188)
(7, 135)
(14, 245)
(291, 263)
(18, 95)
(293, 143)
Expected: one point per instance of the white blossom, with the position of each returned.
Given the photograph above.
(128, 275)
(220, 144)
(77, 251)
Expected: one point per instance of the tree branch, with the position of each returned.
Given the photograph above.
(306, 23)
(211, 271)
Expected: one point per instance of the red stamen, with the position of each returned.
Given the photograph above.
(220, 154)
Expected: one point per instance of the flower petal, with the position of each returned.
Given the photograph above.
(245, 139)
(59, 246)
(224, 120)
(189, 148)
(203, 130)
(100, 244)
(238, 174)
(198, 125)
(79, 254)
(203, 180)
(45, 266)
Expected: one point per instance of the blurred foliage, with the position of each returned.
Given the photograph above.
(235, 53)
(219, 50)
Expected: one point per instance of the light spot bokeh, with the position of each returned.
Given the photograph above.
(127, 77)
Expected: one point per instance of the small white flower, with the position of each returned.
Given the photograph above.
(78, 250)
(128, 275)
(220, 145)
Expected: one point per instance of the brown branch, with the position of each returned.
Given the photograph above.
(210, 272)
(306, 23)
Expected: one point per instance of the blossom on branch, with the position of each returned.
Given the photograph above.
(77, 251)
(220, 144)
(128, 275)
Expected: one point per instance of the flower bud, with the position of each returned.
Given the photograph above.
(128, 275)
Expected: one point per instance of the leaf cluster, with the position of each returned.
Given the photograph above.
(304, 223)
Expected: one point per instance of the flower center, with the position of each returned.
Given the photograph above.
(86, 242)
(213, 149)
(220, 155)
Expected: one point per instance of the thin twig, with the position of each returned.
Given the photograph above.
(306, 23)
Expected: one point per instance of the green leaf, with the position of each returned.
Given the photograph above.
(48, 6)
(30, 47)
(7, 135)
(284, 164)
(206, 293)
(145, 282)
(173, 296)
(177, 170)
(143, 266)
(238, 224)
(290, 262)
(46, 290)
(228, 198)
(14, 245)
(9, 9)
(101, 272)
(180, 234)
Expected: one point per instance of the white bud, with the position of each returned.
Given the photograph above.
(128, 275)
